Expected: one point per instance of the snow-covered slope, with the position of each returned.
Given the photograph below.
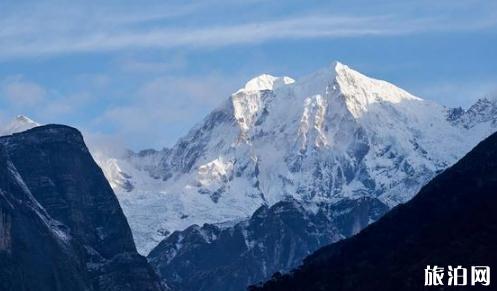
(332, 135)
(20, 123)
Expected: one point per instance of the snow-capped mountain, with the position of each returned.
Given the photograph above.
(332, 135)
(282, 163)
(20, 123)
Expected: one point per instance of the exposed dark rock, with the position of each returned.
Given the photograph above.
(63, 181)
(273, 239)
(36, 252)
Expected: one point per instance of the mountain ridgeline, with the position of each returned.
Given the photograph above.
(61, 226)
(333, 138)
(452, 221)
(278, 170)
(215, 257)
(335, 134)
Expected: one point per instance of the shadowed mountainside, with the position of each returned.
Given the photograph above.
(61, 225)
(452, 221)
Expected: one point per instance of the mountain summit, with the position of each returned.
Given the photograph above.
(20, 123)
(335, 134)
(265, 82)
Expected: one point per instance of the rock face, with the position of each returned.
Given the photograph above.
(484, 111)
(65, 189)
(452, 221)
(275, 238)
(36, 252)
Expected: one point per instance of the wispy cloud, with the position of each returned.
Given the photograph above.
(19, 95)
(133, 64)
(29, 33)
(145, 73)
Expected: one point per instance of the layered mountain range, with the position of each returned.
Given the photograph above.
(335, 134)
(451, 222)
(276, 238)
(281, 168)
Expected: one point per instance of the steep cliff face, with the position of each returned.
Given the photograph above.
(451, 222)
(36, 251)
(276, 238)
(61, 174)
(57, 170)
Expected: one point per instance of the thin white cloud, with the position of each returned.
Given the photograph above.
(26, 34)
(166, 107)
(19, 95)
(57, 42)
(133, 64)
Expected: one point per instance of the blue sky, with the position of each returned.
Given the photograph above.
(143, 72)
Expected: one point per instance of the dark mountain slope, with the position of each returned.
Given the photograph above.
(61, 174)
(63, 178)
(276, 238)
(452, 221)
(34, 254)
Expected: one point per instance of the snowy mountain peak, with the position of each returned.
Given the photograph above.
(361, 92)
(25, 119)
(20, 123)
(338, 66)
(483, 111)
(332, 135)
(249, 101)
(265, 82)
